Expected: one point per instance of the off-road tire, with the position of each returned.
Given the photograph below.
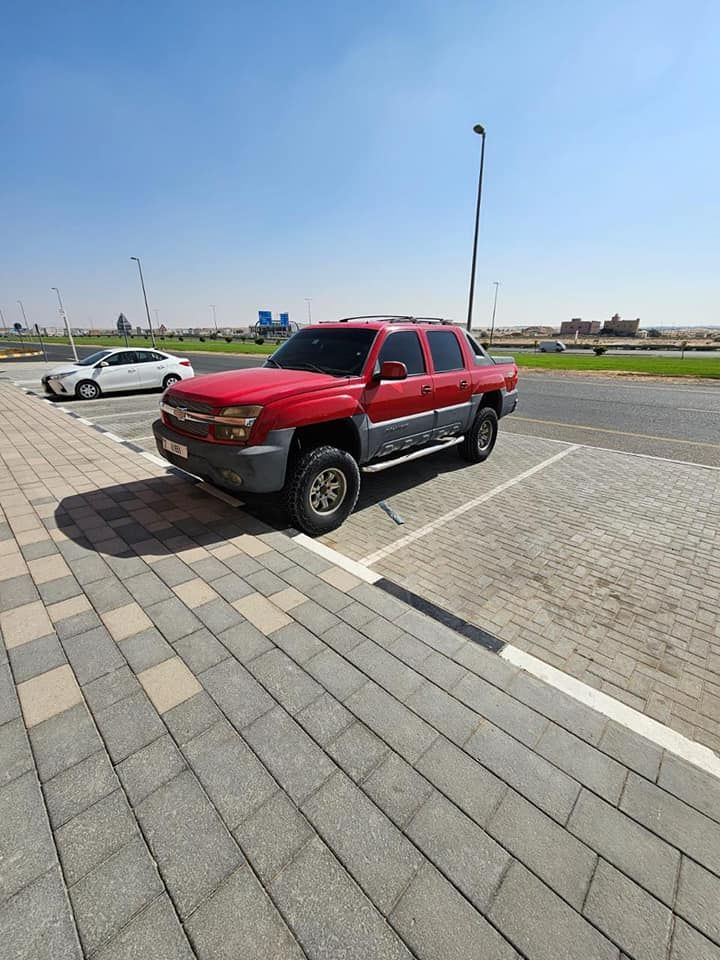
(170, 380)
(309, 499)
(480, 438)
(87, 390)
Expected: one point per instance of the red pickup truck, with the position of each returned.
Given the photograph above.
(364, 393)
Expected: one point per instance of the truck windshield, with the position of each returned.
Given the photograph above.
(339, 352)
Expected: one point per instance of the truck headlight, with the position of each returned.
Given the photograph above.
(235, 423)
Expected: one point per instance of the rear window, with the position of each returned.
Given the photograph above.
(445, 350)
(481, 358)
(404, 347)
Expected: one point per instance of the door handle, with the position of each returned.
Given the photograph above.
(425, 389)
(131, 369)
(464, 384)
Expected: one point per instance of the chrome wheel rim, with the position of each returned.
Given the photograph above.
(484, 438)
(171, 380)
(87, 391)
(327, 491)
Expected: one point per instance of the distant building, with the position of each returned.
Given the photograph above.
(537, 331)
(583, 328)
(615, 327)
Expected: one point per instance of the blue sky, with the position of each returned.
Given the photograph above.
(254, 154)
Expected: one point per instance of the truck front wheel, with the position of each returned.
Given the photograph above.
(480, 438)
(322, 489)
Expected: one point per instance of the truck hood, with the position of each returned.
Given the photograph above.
(258, 385)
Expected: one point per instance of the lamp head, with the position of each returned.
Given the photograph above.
(479, 128)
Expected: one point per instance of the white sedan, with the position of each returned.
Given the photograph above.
(109, 371)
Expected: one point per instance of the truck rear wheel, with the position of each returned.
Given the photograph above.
(480, 438)
(322, 490)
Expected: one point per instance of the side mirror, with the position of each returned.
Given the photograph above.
(103, 363)
(393, 370)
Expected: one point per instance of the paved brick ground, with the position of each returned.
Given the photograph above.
(214, 744)
(601, 564)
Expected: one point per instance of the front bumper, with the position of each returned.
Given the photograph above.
(510, 402)
(255, 469)
(55, 387)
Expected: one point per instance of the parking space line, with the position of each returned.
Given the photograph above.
(622, 433)
(622, 453)
(644, 726)
(458, 511)
(128, 413)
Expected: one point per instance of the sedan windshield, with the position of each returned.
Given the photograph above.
(339, 352)
(94, 358)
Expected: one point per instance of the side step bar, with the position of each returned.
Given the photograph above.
(386, 464)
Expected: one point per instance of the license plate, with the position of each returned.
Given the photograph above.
(179, 449)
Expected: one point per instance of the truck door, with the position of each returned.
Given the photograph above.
(452, 383)
(401, 412)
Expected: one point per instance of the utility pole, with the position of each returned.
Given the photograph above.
(480, 130)
(2, 317)
(492, 325)
(308, 301)
(67, 325)
(147, 309)
(212, 307)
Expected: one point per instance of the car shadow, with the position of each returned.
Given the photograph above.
(71, 398)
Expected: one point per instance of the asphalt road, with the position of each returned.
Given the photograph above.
(679, 422)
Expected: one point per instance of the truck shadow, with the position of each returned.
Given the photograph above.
(162, 516)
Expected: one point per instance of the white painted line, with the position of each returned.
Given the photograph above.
(220, 494)
(327, 553)
(158, 460)
(658, 733)
(88, 423)
(622, 453)
(113, 436)
(458, 511)
(697, 410)
(129, 413)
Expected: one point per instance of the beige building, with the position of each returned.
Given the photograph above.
(583, 328)
(615, 327)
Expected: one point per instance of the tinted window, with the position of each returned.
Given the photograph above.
(121, 359)
(404, 346)
(445, 350)
(337, 350)
(481, 358)
(94, 358)
(147, 356)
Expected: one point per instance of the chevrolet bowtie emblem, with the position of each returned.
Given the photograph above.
(180, 413)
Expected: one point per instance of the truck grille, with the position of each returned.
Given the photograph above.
(188, 426)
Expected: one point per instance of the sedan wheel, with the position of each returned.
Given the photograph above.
(170, 379)
(87, 390)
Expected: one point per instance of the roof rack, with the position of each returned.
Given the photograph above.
(392, 318)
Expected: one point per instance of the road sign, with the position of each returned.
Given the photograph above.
(265, 318)
(284, 319)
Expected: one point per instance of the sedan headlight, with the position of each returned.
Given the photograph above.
(235, 423)
(61, 376)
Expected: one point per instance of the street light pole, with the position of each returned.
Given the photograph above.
(212, 307)
(479, 129)
(147, 309)
(492, 324)
(67, 325)
(2, 317)
(308, 301)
